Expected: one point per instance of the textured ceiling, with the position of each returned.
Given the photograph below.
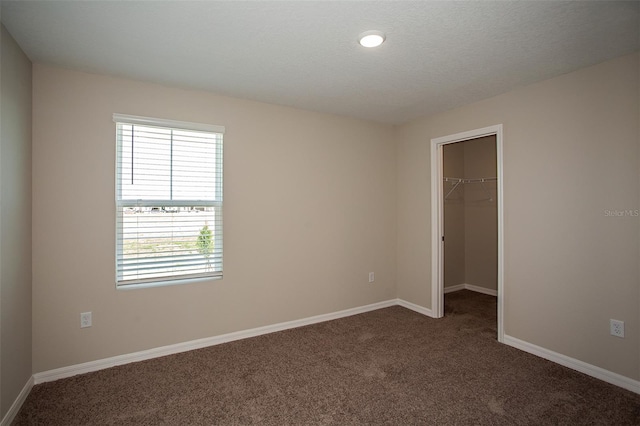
(438, 55)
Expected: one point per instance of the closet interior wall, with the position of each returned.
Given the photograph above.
(471, 215)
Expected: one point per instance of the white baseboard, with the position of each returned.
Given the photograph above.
(17, 404)
(101, 364)
(417, 308)
(453, 288)
(87, 367)
(574, 364)
(471, 287)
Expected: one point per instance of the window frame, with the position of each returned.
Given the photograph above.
(121, 204)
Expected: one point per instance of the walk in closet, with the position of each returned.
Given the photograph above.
(470, 216)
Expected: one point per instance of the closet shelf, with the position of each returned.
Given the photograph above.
(458, 181)
(475, 180)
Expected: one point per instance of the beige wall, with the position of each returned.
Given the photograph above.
(309, 211)
(15, 221)
(454, 215)
(570, 154)
(481, 214)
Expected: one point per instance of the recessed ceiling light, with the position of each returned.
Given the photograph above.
(371, 38)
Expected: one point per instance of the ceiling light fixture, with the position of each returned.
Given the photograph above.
(371, 38)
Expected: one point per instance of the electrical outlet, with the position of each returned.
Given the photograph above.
(372, 277)
(617, 328)
(85, 319)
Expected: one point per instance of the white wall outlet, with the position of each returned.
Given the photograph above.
(372, 277)
(617, 328)
(85, 319)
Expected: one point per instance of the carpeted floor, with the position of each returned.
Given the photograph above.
(391, 366)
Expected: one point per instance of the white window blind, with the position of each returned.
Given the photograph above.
(168, 200)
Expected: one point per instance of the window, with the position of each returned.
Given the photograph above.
(168, 200)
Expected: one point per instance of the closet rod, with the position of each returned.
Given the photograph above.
(475, 180)
(457, 181)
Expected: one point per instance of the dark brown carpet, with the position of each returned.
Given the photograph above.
(390, 366)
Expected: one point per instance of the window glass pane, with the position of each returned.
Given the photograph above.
(194, 166)
(145, 165)
(167, 241)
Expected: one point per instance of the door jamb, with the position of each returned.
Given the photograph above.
(437, 218)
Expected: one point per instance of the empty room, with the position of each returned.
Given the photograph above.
(319, 212)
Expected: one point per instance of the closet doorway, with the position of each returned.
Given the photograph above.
(467, 216)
